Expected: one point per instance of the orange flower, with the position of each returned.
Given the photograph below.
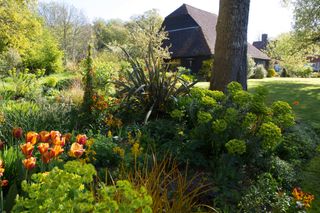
(17, 132)
(57, 150)
(81, 139)
(76, 150)
(44, 136)
(67, 137)
(29, 163)
(55, 137)
(295, 103)
(4, 183)
(43, 147)
(47, 156)
(27, 149)
(32, 137)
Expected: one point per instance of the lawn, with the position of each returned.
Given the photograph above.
(305, 92)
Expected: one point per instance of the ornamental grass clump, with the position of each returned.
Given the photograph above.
(149, 86)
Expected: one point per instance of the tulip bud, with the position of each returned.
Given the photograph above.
(17, 132)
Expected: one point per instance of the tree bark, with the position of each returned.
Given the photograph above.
(230, 53)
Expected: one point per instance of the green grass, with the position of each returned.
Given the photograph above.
(304, 90)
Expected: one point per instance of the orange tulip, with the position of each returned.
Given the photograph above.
(47, 156)
(76, 150)
(81, 139)
(43, 147)
(1, 168)
(32, 137)
(57, 150)
(55, 134)
(44, 136)
(27, 149)
(67, 137)
(17, 132)
(29, 163)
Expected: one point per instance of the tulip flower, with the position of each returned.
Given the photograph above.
(47, 156)
(67, 137)
(81, 139)
(76, 150)
(57, 150)
(29, 163)
(27, 149)
(54, 135)
(43, 147)
(32, 137)
(44, 136)
(17, 132)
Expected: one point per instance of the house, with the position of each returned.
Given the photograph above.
(314, 62)
(192, 36)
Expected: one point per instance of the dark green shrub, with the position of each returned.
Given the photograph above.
(88, 81)
(103, 147)
(299, 144)
(265, 196)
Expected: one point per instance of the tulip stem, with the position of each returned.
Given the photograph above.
(27, 175)
(1, 200)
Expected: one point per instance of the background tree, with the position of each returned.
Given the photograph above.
(288, 51)
(18, 25)
(307, 20)
(70, 26)
(24, 43)
(230, 54)
(144, 31)
(110, 31)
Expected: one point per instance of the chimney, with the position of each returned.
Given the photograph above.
(265, 38)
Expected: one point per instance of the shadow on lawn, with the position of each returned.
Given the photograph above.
(307, 96)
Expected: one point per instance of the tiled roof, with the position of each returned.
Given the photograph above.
(192, 32)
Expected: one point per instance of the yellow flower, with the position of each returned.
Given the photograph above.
(118, 150)
(136, 150)
(109, 134)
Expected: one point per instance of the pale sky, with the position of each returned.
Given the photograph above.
(266, 16)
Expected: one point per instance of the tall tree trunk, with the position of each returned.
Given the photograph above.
(230, 53)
